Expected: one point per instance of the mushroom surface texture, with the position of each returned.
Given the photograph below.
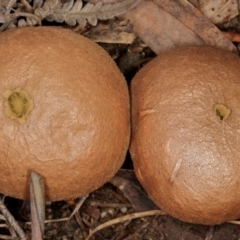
(186, 133)
(64, 113)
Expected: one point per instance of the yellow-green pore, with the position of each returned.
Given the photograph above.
(222, 111)
(18, 104)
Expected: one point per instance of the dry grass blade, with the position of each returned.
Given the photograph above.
(210, 233)
(37, 202)
(236, 222)
(128, 217)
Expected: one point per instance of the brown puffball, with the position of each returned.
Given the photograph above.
(186, 133)
(64, 113)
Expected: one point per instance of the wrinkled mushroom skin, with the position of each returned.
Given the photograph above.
(64, 113)
(186, 133)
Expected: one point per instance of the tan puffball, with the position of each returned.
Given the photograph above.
(186, 133)
(64, 113)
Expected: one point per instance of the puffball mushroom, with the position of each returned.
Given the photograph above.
(64, 113)
(186, 133)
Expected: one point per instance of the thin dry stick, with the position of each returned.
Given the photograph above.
(210, 233)
(12, 221)
(234, 222)
(136, 234)
(81, 225)
(10, 4)
(3, 237)
(123, 219)
(113, 205)
(12, 232)
(10, 229)
(78, 205)
(27, 5)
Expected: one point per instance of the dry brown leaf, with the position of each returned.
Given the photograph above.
(219, 11)
(193, 19)
(163, 25)
(159, 29)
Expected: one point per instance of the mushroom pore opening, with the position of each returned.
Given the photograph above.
(222, 111)
(17, 105)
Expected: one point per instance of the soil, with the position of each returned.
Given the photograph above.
(105, 204)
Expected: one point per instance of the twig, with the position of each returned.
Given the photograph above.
(78, 205)
(234, 222)
(3, 237)
(113, 205)
(12, 221)
(123, 219)
(28, 6)
(81, 225)
(136, 234)
(10, 4)
(12, 232)
(210, 232)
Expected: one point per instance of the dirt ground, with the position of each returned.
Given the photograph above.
(106, 204)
